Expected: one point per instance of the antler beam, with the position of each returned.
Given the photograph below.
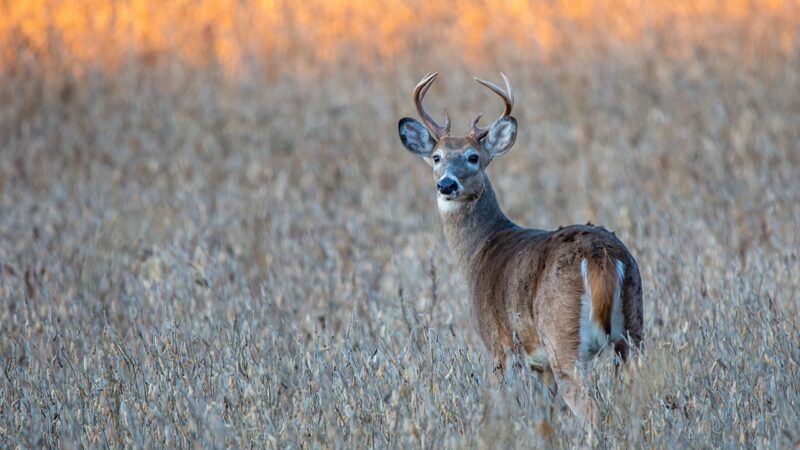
(419, 93)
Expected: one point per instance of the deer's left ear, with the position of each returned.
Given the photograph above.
(501, 136)
(415, 137)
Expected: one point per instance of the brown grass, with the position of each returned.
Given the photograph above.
(194, 258)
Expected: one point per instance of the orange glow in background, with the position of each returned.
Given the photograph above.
(284, 35)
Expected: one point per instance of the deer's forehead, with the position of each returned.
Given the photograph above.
(451, 144)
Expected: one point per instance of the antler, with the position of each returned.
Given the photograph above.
(508, 98)
(419, 93)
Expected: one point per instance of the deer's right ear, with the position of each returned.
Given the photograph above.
(415, 137)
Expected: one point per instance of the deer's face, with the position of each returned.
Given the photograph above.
(458, 162)
(457, 168)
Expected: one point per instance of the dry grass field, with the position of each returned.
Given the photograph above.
(216, 239)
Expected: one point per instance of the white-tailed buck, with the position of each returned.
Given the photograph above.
(555, 297)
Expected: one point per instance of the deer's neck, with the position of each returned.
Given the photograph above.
(468, 225)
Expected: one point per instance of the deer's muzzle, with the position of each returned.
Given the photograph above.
(447, 185)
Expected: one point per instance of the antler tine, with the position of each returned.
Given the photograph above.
(475, 121)
(508, 100)
(510, 95)
(507, 96)
(419, 94)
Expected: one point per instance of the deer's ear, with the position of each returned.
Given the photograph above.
(501, 136)
(415, 137)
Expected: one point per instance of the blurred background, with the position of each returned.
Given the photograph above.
(211, 236)
(267, 39)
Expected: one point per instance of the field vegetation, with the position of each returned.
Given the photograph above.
(210, 235)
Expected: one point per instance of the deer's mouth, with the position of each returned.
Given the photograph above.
(449, 197)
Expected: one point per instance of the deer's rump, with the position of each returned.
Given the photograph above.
(525, 280)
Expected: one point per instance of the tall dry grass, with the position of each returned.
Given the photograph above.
(212, 253)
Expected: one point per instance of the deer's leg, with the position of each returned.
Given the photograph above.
(502, 351)
(577, 397)
(549, 381)
(500, 355)
(563, 361)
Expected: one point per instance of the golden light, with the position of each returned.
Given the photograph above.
(293, 34)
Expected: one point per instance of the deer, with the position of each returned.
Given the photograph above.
(554, 299)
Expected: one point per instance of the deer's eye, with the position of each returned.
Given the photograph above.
(473, 159)
(436, 158)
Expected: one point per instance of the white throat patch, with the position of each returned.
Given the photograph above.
(447, 206)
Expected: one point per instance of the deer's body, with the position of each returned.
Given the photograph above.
(554, 297)
(526, 286)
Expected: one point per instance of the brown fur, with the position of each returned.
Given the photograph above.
(523, 276)
(527, 283)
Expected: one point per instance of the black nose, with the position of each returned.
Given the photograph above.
(447, 186)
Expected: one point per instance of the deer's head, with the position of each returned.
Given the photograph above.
(458, 162)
